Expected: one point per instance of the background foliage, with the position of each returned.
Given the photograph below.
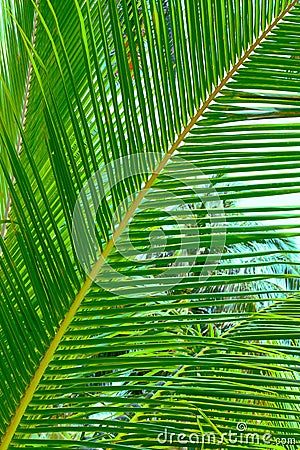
(215, 84)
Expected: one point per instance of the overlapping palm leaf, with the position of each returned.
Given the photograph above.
(205, 94)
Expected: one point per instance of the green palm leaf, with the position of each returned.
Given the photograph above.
(148, 277)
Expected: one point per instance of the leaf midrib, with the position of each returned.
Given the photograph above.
(8, 436)
(23, 119)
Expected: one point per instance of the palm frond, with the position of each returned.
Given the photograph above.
(148, 125)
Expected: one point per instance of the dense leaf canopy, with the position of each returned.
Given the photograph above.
(150, 161)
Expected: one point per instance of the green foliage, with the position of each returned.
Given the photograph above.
(185, 115)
